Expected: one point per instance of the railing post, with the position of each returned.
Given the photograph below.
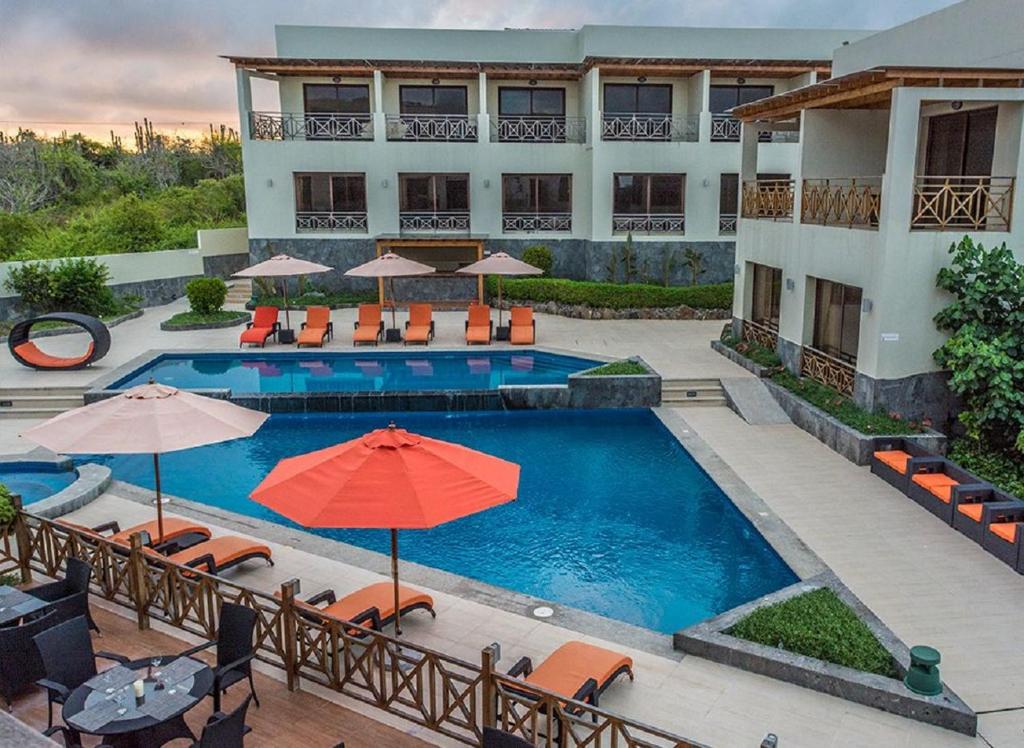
(23, 540)
(489, 695)
(289, 590)
(137, 580)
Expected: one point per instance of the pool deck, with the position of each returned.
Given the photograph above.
(928, 583)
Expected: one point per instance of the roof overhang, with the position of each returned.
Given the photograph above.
(872, 89)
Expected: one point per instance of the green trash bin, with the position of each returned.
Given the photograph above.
(923, 675)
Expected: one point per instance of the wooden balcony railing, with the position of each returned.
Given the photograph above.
(760, 334)
(538, 129)
(828, 370)
(768, 198)
(535, 222)
(853, 202)
(962, 203)
(459, 128)
(312, 221)
(302, 126)
(447, 220)
(652, 127)
(648, 223)
(445, 694)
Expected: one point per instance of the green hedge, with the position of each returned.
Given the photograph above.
(613, 295)
(817, 624)
(1006, 471)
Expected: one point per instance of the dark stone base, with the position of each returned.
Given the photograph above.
(914, 398)
(791, 354)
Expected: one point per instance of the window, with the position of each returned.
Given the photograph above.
(767, 291)
(837, 319)
(322, 192)
(433, 193)
(324, 98)
(961, 144)
(441, 100)
(636, 98)
(531, 102)
(724, 98)
(728, 202)
(649, 193)
(536, 193)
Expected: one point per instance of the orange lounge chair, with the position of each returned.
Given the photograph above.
(895, 460)
(576, 670)
(522, 326)
(370, 327)
(264, 324)
(220, 554)
(317, 328)
(420, 327)
(479, 326)
(373, 606)
(180, 532)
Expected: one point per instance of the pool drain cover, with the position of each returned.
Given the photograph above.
(543, 612)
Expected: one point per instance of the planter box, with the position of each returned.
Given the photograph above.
(740, 360)
(205, 325)
(626, 391)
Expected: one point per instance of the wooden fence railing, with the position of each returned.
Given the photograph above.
(443, 693)
(760, 334)
(768, 198)
(962, 203)
(829, 370)
(855, 202)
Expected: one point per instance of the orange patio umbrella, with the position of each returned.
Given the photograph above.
(387, 479)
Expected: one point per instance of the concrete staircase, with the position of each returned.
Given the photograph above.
(38, 402)
(239, 291)
(688, 393)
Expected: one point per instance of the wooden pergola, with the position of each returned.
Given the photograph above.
(471, 249)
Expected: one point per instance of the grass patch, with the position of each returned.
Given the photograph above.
(817, 624)
(756, 353)
(319, 298)
(613, 295)
(184, 319)
(1005, 471)
(617, 369)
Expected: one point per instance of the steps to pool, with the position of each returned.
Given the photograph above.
(687, 393)
(39, 402)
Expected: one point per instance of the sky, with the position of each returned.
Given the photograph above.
(97, 65)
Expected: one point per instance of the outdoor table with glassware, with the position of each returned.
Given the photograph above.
(15, 605)
(144, 700)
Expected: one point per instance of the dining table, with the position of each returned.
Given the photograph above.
(16, 605)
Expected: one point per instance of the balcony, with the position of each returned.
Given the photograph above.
(648, 223)
(536, 223)
(727, 223)
(962, 203)
(535, 129)
(828, 370)
(448, 220)
(330, 221)
(763, 335)
(301, 126)
(650, 127)
(853, 202)
(455, 128)
(768, 199)
(726, 129)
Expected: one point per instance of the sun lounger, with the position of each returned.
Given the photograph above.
(370, 326)
(264, 325)
(522, 327)
(1004, 534)
(576, 670)
(479, 327)
(420, 327)
(373, 606)
(890, 457)
(221, 553)
(317, 328)
(970, 504)
(933, 482)
(179, 533)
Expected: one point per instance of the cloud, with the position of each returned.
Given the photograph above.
(90, 64)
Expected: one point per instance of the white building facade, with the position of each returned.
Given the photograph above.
(572, 139)
(915, 142)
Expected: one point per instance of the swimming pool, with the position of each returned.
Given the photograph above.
(392, 371)
(34, 481)
(613, 516)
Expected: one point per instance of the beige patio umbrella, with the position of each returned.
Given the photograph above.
(149, 418)
(282, 266)
(390, 266)
(500, 264)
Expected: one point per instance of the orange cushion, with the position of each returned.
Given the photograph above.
(174, 527)
(318, 317)
(520, 335)
(255, 334)
(224, 549)
(895, 458)
(568, 668)
(380, 596)
(418, 333)
(369, 315)
(312, 336)
(939, 485)
(1005, 530)
(521, 315)
(478, 334)
(419, 315)
(365, 333)
(31, 353)
(972, 510)
(265, 316)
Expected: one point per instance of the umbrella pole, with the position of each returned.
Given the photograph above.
(499, 301)
(287, 317)
(394, 575)
(159, 501)
(391, 283)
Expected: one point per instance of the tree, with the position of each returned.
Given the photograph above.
(24, 183)
(985, 350)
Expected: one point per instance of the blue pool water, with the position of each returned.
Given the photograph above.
(393, 371)
(34, 481)
(613, 515)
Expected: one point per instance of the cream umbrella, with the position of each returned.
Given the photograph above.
(282, 266)
(390, 266)
(150, 418)
(500, 264)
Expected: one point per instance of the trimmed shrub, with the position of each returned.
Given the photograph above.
(206, 295)
(540, 257)
(615, 295)
(7, 512)
(73, 285)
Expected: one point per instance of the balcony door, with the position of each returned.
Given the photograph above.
(837, 319)
(536, 202)
(433, 100)
(331, 98)
(961, 144)
(637, 98)
(531, 102)
(767, 295)
(724, 128)
(433, 202)
(650, 203)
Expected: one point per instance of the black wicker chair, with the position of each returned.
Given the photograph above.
(69, 596)
(970, 504)
(235, 651)
(500, 739)
(937, 498)
(225, 730)
(20, 665)
(883, 449)
(1008, 551)
(68, 660)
